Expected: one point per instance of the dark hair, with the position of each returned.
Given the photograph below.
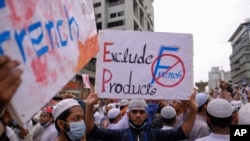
(157, 123)
(122, 107)
(168, 121)
(63, 116)
(220, 122)
(200, 108)
(112, 120)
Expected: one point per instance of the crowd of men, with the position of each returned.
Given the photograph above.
(204, 117)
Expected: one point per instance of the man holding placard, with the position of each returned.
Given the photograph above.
(137, 123)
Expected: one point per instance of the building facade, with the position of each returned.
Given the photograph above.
(118, 15)
(124, 14)
(216, 75)
(240, 57)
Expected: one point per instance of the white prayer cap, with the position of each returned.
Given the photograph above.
(201, 98)
(244, 115)
(168, 112)
(37, 117)
(124, 102)
(113, 113)
(63, 105)
(112, 105)
(236, 103)
(220, 108)
(137, 104)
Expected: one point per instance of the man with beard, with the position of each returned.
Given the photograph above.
(69, 121)
(45, 130)
(138, 129)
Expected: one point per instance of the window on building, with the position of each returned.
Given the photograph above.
(116, 2)
(99, 25)
(112, 1)
(120, 13)
(93, 64)
(97, 4)
(248, 57)
(116, 23)
(112, 15)
(247, 48)
(237, 62)
(248, 26)
(99, 15)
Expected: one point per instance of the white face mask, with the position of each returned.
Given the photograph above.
(77, 130)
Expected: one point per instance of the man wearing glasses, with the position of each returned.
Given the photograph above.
(45, 131)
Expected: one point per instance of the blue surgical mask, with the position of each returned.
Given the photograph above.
(45, 125)
(77, 130)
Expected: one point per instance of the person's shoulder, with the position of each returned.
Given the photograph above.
(52, 127)
(206, 138)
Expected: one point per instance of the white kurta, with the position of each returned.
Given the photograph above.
(214, 137)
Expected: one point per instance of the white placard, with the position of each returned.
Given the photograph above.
(86, 82)
(53, 39)
(144, 65)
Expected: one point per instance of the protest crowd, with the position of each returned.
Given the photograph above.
(204, 117)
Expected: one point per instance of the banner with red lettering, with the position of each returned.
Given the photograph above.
(144, 65)
(53, 39)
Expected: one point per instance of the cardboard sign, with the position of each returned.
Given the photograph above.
(53, 40)
(144, 65)
(86, 83)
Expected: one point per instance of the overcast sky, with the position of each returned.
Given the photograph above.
(212, 22)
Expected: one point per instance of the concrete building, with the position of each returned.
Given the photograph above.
(124, 14)
(240, 57)
(216, 75)
(201, 86)
(114, 14)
